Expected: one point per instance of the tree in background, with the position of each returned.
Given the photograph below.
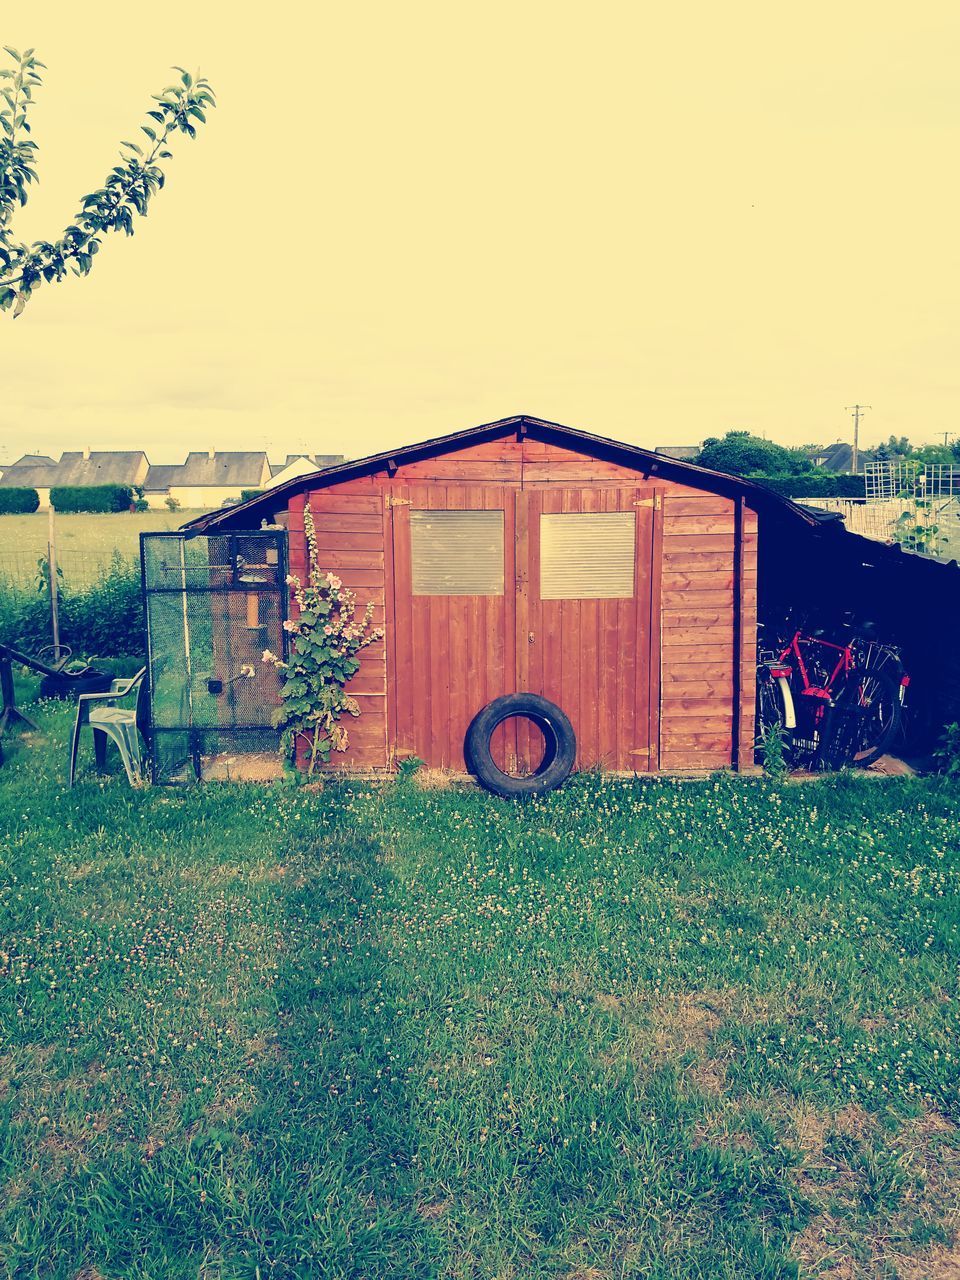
(895, 447)
(127, 190)
(741, 454)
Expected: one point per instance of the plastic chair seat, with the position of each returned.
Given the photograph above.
(112, 715)
(121, 725)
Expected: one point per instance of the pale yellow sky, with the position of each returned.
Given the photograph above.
(655, 222)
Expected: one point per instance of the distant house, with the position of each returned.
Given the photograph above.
(837, 458)
(207, 478)
(86, 467)
(301, 464)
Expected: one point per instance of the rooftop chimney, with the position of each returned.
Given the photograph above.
(86, 453)
(211, 453)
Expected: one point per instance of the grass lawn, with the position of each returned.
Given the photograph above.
(643, 1029)
(85, 543)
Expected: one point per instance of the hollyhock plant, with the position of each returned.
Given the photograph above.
(325, 640)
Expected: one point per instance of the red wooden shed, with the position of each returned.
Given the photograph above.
(526, 556)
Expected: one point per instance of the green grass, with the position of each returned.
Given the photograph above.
(647, 1029)
(85, 543)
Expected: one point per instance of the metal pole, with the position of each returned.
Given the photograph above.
(855, 457)
(52, 572)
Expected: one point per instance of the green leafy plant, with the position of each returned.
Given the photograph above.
(171, 503)
(947, 754)
(775, 763)
(42, 579)
(915, 529)
(326, 637)
(127, 190)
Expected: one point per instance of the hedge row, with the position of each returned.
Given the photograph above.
(104, 619)
(18, 502)
(814, 485)
(91, 497)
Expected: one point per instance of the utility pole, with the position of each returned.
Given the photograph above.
(857, 409)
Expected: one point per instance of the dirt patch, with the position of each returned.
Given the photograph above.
(915, 1235)
(433, 1209)
(254, 766)
(709, 1076)
(433, 779)
(892, 767)
(688, 1023)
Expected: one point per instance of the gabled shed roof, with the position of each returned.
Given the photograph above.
(248, 514)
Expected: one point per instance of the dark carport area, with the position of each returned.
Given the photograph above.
(817, 574)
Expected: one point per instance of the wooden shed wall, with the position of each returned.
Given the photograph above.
(694, 545)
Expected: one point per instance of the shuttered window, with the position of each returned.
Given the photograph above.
(587, 555)
(456, 553)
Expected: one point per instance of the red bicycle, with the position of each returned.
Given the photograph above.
(831, 708)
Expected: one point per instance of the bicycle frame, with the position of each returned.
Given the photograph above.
(844, 665)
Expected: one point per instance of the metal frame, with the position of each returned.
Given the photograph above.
(194, 733)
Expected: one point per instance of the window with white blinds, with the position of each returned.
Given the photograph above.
(456, 553)
(587, 555)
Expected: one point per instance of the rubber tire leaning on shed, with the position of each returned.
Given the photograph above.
(559, 753)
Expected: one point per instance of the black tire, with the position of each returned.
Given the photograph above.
(67, 686)
(559, 738)
(864, 719)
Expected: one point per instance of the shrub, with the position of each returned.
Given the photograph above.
(105, 618)
(171, 503)
(247, 494)
(947, 754)
(91, 497)
(816, 484)
(18, 501)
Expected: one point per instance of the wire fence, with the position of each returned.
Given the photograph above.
(25, 570)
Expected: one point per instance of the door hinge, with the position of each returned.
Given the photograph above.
(643, 502)
(391, 501)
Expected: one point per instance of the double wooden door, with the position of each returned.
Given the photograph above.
(498, 590)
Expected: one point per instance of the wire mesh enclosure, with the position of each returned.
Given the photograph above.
(212, 605)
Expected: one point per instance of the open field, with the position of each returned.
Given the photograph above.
(649, 1029)
(85, 543)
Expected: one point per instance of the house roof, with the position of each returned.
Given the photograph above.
(28, 476)
(110, 467)
(34, 460)
(320, 460)
(837, 458)
(161, 476)
(249, 514)
(243, 470)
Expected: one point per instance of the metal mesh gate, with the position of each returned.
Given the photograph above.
(213, 604)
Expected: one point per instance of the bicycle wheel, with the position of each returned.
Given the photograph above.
(771, 716)
(864, 719)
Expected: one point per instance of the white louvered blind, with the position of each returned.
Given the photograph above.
(456, 553)
(587, 555)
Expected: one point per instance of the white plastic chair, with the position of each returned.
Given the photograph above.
(121, 725)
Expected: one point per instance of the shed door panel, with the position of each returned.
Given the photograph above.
(454, 615)
(585, 638)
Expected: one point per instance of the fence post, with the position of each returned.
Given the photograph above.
(52, 573)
